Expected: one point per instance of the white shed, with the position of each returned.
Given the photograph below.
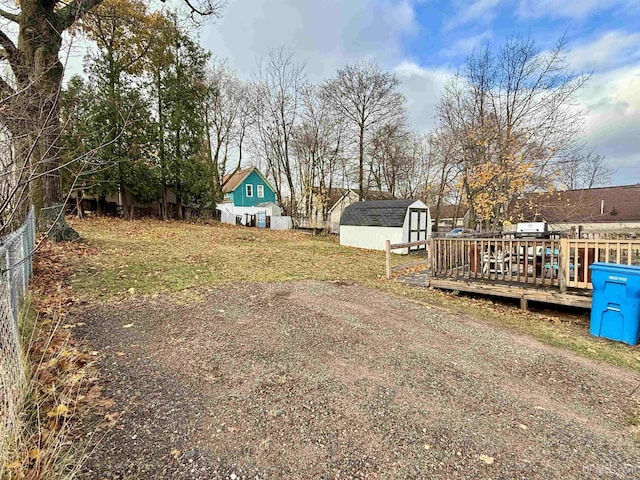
(369, 224)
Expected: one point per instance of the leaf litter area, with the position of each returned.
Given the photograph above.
(328, 380)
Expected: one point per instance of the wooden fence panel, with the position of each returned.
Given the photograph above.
(579, 254)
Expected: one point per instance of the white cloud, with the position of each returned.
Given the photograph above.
(612, 99)
(613, 121)
(423, 88)
(474, 11)
(576, 9)
(326, 34)
(467, 45)
(611, 49)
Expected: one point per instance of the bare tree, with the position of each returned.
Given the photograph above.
(227, 116)
(419, 173)
(390, 155)
(318, 148)
(513, 115)
(445, 187)
(584, 169)
(366, 97)
(278, 84)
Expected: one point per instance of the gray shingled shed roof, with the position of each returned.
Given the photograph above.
(377, 213)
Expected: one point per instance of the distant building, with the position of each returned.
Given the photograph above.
(369, 224)
(247, 192)
(327, 210)
(449, 217)
(595, 210)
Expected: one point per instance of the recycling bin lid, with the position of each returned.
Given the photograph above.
(616, 267)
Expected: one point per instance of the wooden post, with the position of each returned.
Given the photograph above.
(524, 304)
(387, 249)
(430, 250)
(564, 264)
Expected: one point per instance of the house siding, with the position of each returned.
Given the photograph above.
(239, 195)
(336, 211)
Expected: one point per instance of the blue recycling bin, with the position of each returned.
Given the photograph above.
(615, 308)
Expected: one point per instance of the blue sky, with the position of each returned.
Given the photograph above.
(446, 31)
(425, 41)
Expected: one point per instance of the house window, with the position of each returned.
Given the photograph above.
(249, 190)
(260, 191)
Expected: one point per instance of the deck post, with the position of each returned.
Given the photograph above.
(387, 250)
(524, 303)
(563, 264)
(430, 251)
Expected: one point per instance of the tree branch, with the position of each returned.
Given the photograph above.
(210, 8)
(14, 17)
(75, 10)
(12, 54)
(6, 90)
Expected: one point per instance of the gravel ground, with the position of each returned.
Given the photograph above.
(321, 380)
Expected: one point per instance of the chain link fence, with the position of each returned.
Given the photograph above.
(16, 269)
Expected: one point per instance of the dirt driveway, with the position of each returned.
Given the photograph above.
(320, 380)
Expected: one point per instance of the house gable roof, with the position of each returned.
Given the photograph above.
(234, 180)
(376, 213)
(617, 204)
(336, 195)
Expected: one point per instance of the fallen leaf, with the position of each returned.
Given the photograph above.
(128, 325)
(34, 454)
(486, 459)
(111, 418)
(60, 410)
(105, 402)
(175, 453)
(523, 426)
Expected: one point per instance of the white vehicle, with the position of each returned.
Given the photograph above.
(532, 230)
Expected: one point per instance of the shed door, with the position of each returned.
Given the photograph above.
(417, 227)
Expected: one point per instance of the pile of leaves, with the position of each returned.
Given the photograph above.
(61, 388)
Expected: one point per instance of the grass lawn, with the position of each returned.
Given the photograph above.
(151, 257)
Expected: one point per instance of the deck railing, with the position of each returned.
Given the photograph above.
(582, 253)
(556, 263)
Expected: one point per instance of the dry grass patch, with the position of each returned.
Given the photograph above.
(60, 391)
(149, 257)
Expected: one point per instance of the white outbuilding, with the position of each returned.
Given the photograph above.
(370, 224)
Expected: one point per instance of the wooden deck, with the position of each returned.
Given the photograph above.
(546, 271)
(526, 294)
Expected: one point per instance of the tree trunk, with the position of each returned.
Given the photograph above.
(165, 202)
(36, 111)
(179, 214)
(101, 206)
(361, 164)
(79, 210)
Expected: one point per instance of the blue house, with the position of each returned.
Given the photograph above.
(247, 195)
(248, 188)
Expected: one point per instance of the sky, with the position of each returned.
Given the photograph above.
(424, 42)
